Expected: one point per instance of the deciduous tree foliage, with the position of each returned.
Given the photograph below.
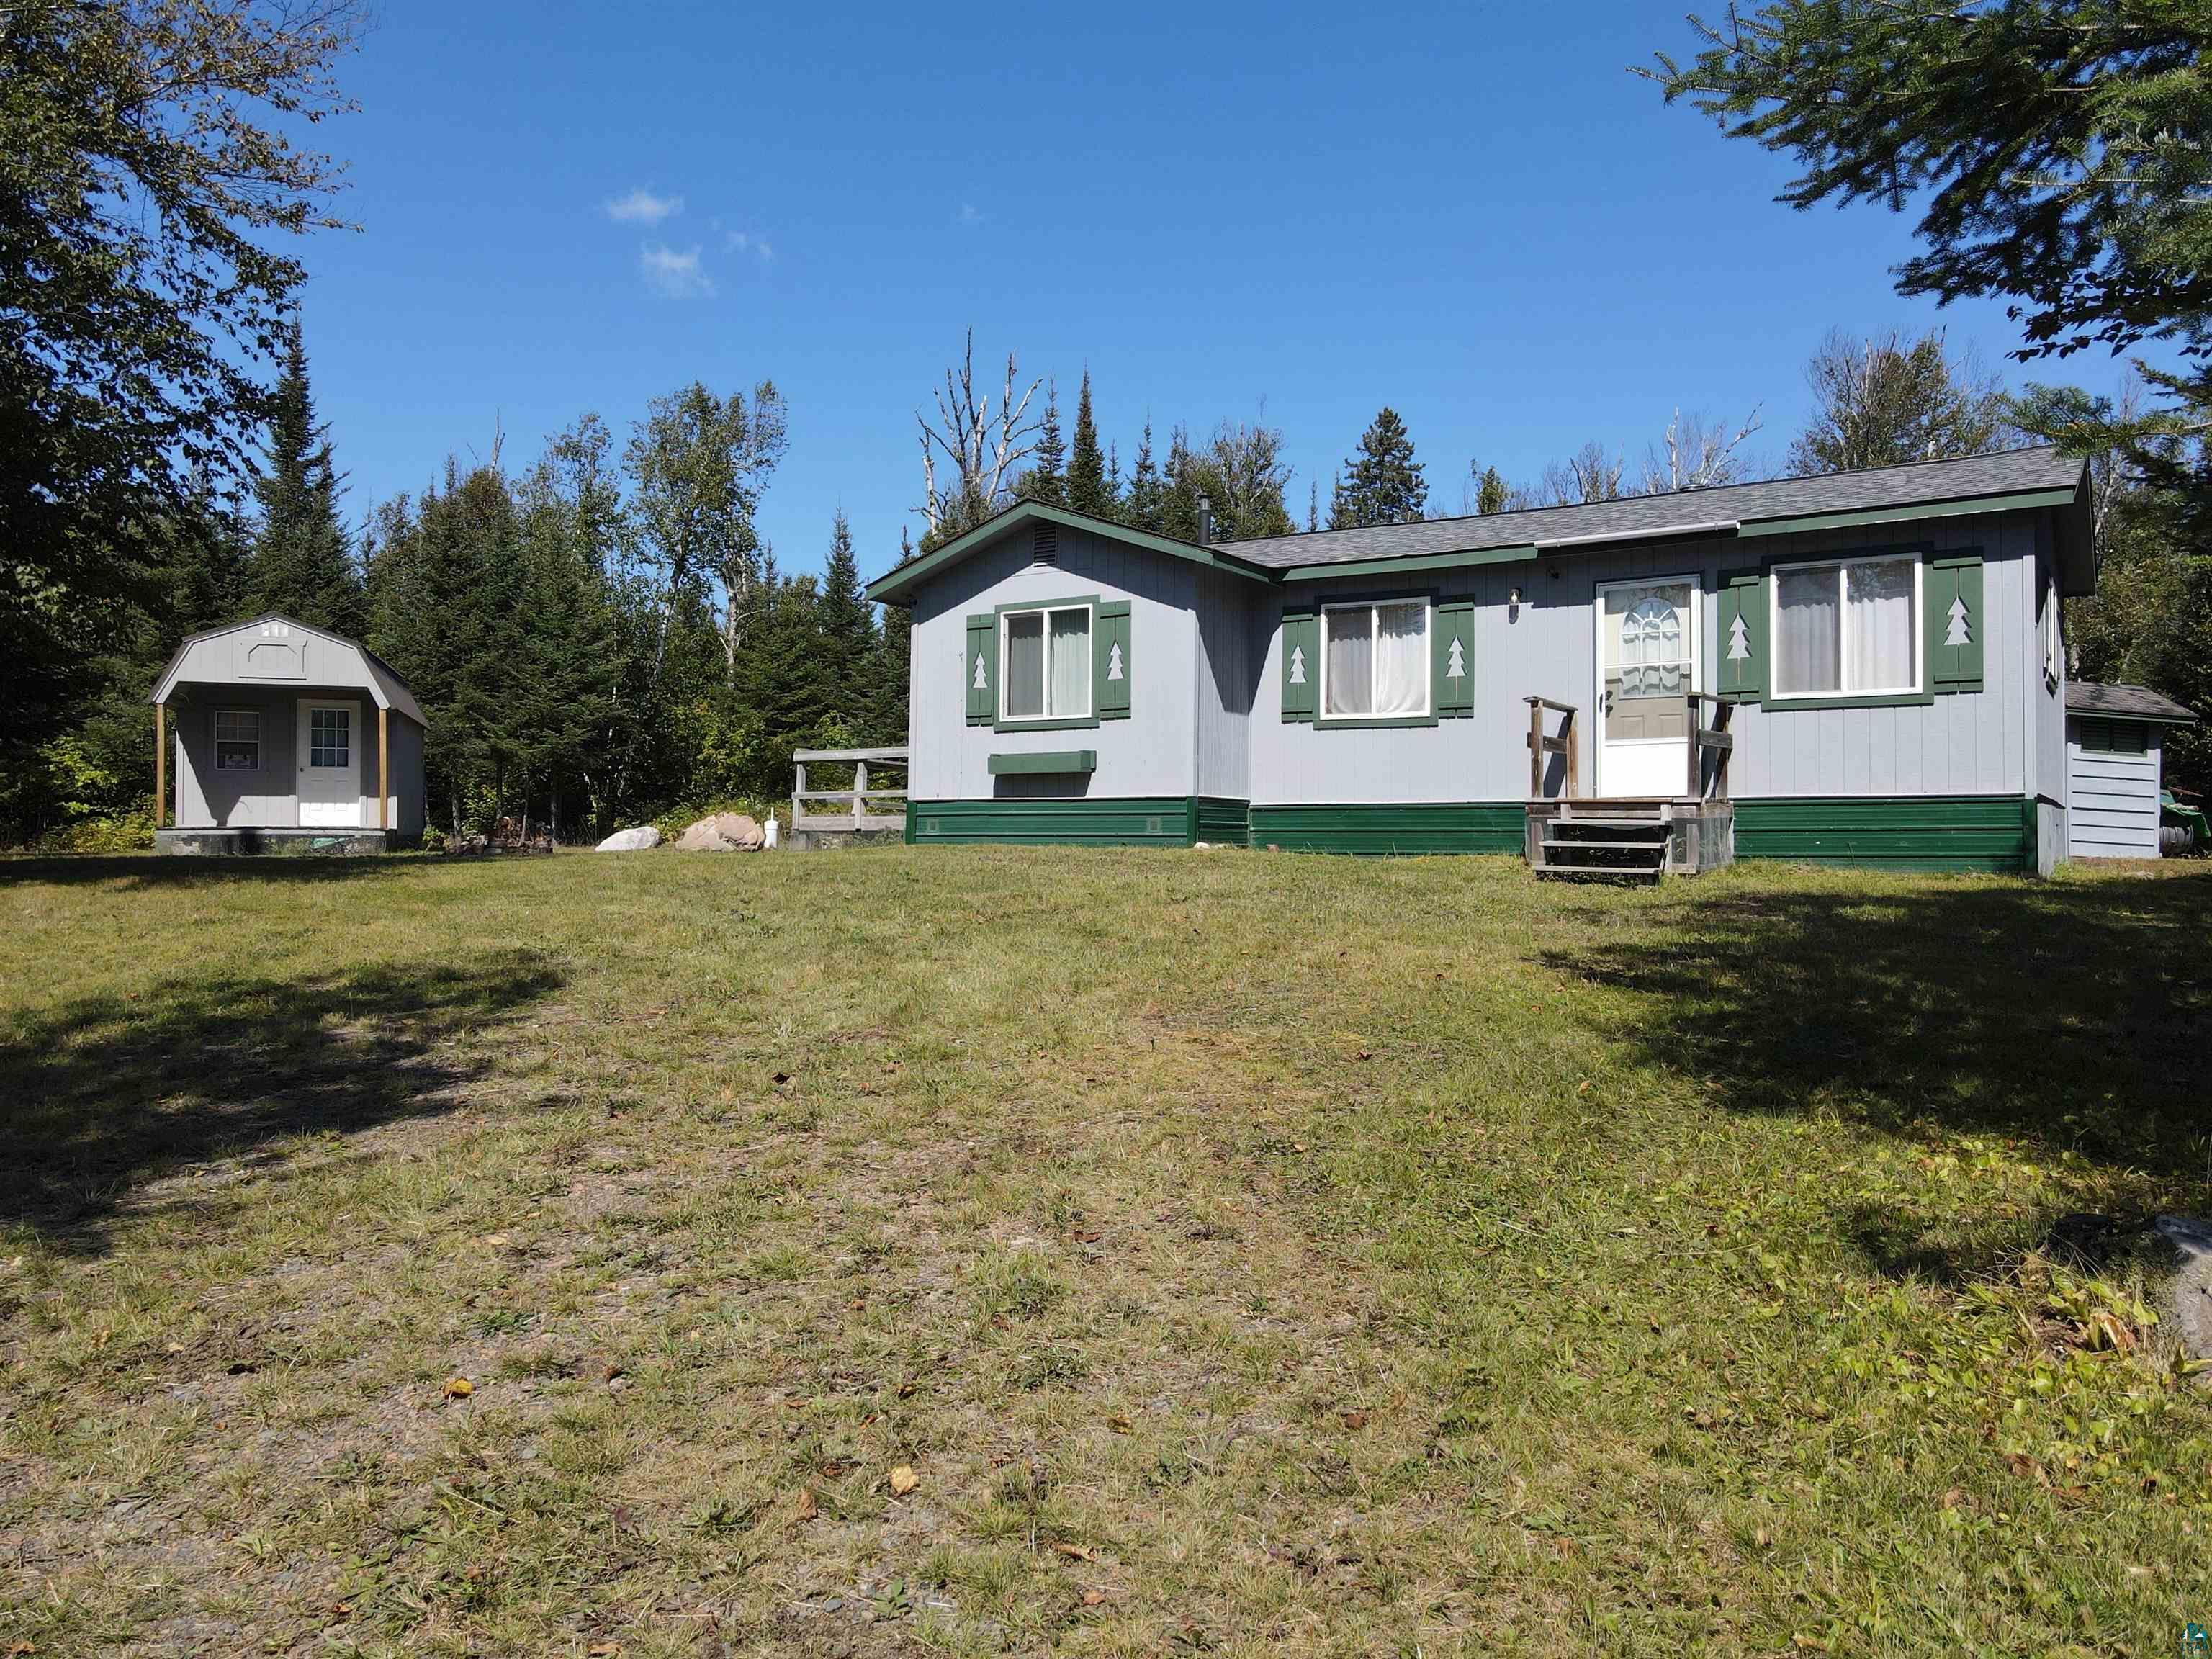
(1890, 400)
(147, 198)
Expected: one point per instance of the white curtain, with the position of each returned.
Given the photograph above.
(1025, 667)
(1351, 661)
(1071, 664)
(1880, 599)
(1808, 654)
(1401, 660)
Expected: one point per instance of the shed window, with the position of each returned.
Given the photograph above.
(1850, 628)
(238, 740)
(1375, 660)
(2116, 737)
(1045, 662)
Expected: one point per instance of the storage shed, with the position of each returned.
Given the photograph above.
(285, 736)
(2115, 737)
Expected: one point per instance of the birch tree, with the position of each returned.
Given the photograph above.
(978, 443)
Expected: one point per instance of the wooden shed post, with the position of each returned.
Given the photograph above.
(160, 765)
(383, 767)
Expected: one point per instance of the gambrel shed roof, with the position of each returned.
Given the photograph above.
(276, 652)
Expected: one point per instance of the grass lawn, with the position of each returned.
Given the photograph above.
(972, 1251)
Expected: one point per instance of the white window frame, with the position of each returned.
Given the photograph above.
(1919, 627)
(2053, 641)
(1374, 658)
(1090, 661)
(254, 714)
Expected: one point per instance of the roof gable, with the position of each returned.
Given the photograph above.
(897, 585)
(275, 656)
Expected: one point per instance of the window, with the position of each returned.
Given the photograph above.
(1045, 663)
(238, 740)
(1375, 660)
(1848, 628)
(329, 737)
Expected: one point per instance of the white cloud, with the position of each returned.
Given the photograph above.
(676, 274)
(642, 207)
(970, 214)
(740, 241)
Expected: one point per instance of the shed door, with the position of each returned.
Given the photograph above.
(330, 765)
(1647, 662)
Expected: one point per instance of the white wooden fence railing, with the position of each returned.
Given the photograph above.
(852, 812)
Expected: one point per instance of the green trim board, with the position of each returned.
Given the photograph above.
(1139, 821)
(1220, 822)
(1892, 832)
(1874, 516)
(1048, 761)
(1393, 829)
(897, 586)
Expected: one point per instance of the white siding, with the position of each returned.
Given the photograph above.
(1971, 743)
(1152, 753)
(2112, 801)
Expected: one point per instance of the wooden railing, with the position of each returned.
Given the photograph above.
(1715, 739)
(1567, 745)
(854, 814)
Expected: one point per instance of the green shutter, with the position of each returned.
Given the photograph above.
(1452, 670)
(1740, 646)
(1301, 662)
(1953, 590)
(1110, 649)
(979, 670)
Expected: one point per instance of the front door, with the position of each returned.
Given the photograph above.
(330, 766)
(1647, 656)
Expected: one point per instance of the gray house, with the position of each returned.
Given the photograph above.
(1862, 668)
(2115, 739)
(285, 735)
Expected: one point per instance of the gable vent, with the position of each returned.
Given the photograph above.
(1044, 543)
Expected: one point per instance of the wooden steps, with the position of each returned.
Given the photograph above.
(1628, 841)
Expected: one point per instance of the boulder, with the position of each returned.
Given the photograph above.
(631, 840)
(2189, 1292)
(725, 832)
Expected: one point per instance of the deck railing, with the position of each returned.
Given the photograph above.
(1567, 745)
(853, 812)
(1716, 740)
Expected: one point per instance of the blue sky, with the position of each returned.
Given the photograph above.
(1472, 213)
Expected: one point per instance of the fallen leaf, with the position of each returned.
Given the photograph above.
(1121, 1424)
(176, 1347)
(806, 1509)
(1073, 1552)
(904, 1480)
(1298, 1145)
(1092, 1598)
(603, 1650)
(495, 1239)
(1355, 1419)
(458, 1388)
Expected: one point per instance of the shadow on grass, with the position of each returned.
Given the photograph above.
(107, 1094)
(2066, 1014)
(149, 870)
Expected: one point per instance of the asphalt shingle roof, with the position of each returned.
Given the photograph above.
(1922, 484)
(2136, 703)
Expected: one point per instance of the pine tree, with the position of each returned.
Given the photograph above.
(1087, 489)
(1382, 483)
(1047, 479)
(1142, 507)
(847, 627)
(1492, 494)
(303, 563)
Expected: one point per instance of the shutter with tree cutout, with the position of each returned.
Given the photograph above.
(1953, 590)
(980, 670)
(1109, 668)
(1740, 654)
(1452, 670)
(1301, 662)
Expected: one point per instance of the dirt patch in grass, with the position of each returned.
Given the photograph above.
(1014, 1252)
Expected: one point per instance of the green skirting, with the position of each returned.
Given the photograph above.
(1388, 828)
(1146, 821)
(1892, 832)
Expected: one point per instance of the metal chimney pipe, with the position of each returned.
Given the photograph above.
(1206, 521)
